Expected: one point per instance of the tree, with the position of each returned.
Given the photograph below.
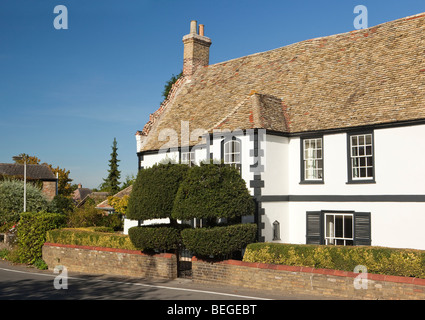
(218, 194)
(213, 191)
(111, 183)
(28, 159)
(153, 197)
(169, 85)
(154, 191)
(64, 182)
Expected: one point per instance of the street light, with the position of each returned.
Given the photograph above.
(19, 158)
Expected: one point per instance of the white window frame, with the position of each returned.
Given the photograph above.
(188, 158)
(231, 155)
(330, 238)
(312, 159)
(361, 157)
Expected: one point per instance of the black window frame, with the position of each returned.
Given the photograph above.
(302, 166)
(350, 179)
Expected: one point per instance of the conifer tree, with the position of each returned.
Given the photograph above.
(111, 183)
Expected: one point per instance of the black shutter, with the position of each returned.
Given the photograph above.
(315, 228)
(362, 229)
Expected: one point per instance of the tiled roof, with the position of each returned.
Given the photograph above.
(364, 77)
(125, 192)
(34, 171)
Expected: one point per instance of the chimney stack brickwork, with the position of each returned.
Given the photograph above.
(196, 50)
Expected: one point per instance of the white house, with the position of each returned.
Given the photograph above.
(328, 133)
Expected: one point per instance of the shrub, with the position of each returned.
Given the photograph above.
(7, 221)
(12, 197)
(85, 216)
(213, 191)
(31, 233)
(61, 204)
(219, 241)
(87, 237)
(398, 262)
(154, 191)
(157, 237)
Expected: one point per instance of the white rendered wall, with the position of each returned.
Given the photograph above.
(399, 170)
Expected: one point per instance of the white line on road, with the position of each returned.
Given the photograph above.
(143, 285)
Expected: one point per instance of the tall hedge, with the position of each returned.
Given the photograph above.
(378, 260)
(31, 233)
(154, 191)
(213, 191)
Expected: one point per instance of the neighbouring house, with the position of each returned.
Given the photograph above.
(105, 206)
(35, 173)
(327, 133)
(81, 195)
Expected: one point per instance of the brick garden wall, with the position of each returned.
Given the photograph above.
(96, 260)
(307, 281)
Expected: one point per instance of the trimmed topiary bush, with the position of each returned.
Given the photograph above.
(219, 241)
(213, 191)
(31, 233)
(154, 191)
(156, 237)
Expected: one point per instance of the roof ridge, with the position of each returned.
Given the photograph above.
(419, 15)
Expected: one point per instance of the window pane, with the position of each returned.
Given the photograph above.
(339, 227)
(369, 150)
(319, 143)
(369, 172)
(329, 226)
(354, 141)
(369, 139)
(348, 226)
(361, 140)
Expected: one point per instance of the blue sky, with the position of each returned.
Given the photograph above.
(65, 94)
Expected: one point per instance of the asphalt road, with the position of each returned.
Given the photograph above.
(19, 282)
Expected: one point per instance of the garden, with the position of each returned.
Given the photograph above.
(213, 194)
(27, 232)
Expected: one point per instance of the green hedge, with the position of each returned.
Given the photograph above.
(31, 233)
(154, 191)
(378, 260)
(86, 237)
(213, 191)
(219, 241)
(157, 237)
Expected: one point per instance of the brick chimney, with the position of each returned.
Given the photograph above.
(196, 49)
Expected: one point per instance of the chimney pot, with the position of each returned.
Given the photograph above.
(193, 26)
(201, 30)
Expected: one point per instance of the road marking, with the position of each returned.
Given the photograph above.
(142, 285)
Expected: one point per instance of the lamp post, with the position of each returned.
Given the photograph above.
(19, 158)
